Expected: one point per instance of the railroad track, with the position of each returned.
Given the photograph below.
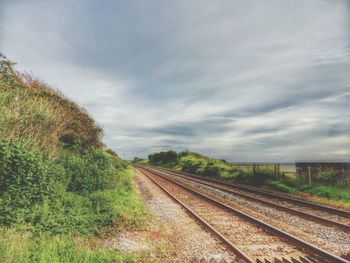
(318, 213)
(251, 239)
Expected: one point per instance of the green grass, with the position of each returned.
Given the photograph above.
(22, 248)
(329, 192)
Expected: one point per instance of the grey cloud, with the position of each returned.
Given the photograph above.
(229, 78)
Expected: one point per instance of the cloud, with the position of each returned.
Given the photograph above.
(252, 80)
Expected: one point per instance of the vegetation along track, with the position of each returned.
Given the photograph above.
(318, 213)
(250, 238)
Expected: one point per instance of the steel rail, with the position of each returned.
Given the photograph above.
(303, 245)
(329, 209)
(216, 185)
(206, 225)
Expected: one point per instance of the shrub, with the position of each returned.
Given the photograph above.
(25, 179)
(211, 170)
(193, 166)
(328, 176)
(280, 186)
(33, 194)
(163, 157)
(90, 170)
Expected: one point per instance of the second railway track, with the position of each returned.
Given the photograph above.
(252, 239)
(318, 213)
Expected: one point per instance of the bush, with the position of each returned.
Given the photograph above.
(328, 176)
(90, 170)
(193, 166)
(163, 157)
(34, 193)
(26, 178)
(280, 186)
(211, 170)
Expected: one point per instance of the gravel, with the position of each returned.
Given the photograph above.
(249, 237)
(187, 240)
(329, 238)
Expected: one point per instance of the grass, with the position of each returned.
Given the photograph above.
(18, 247)
(280, 186)
(329, 192)
(33, 110)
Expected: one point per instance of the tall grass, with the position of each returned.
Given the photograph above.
(33, 110)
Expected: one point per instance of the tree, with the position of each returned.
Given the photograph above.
(163, 157)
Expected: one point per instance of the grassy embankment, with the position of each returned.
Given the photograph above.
(61, 190)
(325, 187)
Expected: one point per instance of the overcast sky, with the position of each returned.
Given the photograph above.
(252, 80)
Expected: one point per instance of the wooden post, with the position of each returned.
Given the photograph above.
(275, 171)
(309, 172)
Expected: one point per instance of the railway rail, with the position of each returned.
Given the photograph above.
(255, 195)
(251, 239)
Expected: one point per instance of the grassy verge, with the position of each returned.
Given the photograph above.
(22, 248)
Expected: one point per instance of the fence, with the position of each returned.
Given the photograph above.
(279, 167)
(315, 171)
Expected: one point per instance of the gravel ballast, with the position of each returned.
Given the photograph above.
(186, 240)
(329, 238)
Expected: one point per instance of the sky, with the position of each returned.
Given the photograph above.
(253, 80)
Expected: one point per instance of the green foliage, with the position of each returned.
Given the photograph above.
(211, 170)
(260, 175)
(80, 192)
(111, 152)
(57, 181)
(25, 180)
(191, 165)
(329, 176)
(6, 71)
(90, 170)
(163, 157)
(280, 186)
(137, 160)
(329, 192)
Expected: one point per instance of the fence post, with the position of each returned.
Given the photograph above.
(309, 172)
(278, 169)
(275, 171)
